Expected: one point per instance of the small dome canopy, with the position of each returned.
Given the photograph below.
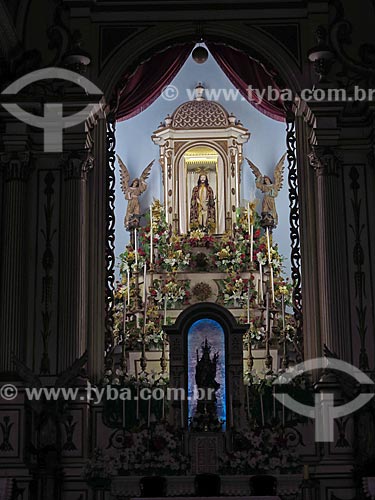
(200, 113)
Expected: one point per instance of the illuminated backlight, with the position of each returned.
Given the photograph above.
(198, 332)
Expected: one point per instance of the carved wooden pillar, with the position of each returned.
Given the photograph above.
(13, 308)
(332, 260)
(73, 260)
(96, 254)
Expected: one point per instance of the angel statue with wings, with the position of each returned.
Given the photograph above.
(269, 189)
(133, 191)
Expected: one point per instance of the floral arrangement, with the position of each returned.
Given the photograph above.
(261, 450)
(229, 255)
(198, 238)
(128, 261)
(100, 467)
(172, 290)
(237, 289)
(153, 450)
(175, 259)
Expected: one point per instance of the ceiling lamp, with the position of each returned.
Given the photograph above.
(200, 54)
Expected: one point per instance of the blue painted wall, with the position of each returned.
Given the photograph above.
(266, 145)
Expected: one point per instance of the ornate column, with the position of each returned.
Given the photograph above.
(97, 254)
(73, 259)
(16, 169)
(332, 260)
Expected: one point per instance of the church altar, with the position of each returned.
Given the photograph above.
(202, 305)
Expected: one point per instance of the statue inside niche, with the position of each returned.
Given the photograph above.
(269, 189)
(202, 206)
(205, 378)
(133, 190)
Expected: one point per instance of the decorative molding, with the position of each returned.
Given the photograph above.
(359, 274)
(16, 166)
(110, 232)
(77, 164)
(6, 428)
(294, 218)
(69, 426)
(47, 262)
(325, 161)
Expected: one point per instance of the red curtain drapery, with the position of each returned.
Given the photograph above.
(139, 89)
(244, 72)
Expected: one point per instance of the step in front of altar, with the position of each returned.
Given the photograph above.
(235, 486)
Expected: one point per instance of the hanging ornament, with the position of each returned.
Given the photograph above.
(200, 54)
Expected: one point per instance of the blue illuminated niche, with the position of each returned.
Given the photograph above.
(211, 330)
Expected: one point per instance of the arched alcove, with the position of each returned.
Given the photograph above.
(129, 56)
(178, 335)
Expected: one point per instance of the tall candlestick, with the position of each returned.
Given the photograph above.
(248, 302)
(151, 238)
(128, 282)
(251, 242)
(136, 246)
(268, 245)
(267, 312)
(272, 283)
(248, 218)
(144, 283)
(261, 281)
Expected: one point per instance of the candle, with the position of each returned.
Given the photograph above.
(124, 319)
(151, 238)
(248, 218)
(144, 283)
(262, 408)
(165, 310)
(128, 281)
(268, 246)
(272, 285)
(136, 246)
(248, 302)
(251, 242)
